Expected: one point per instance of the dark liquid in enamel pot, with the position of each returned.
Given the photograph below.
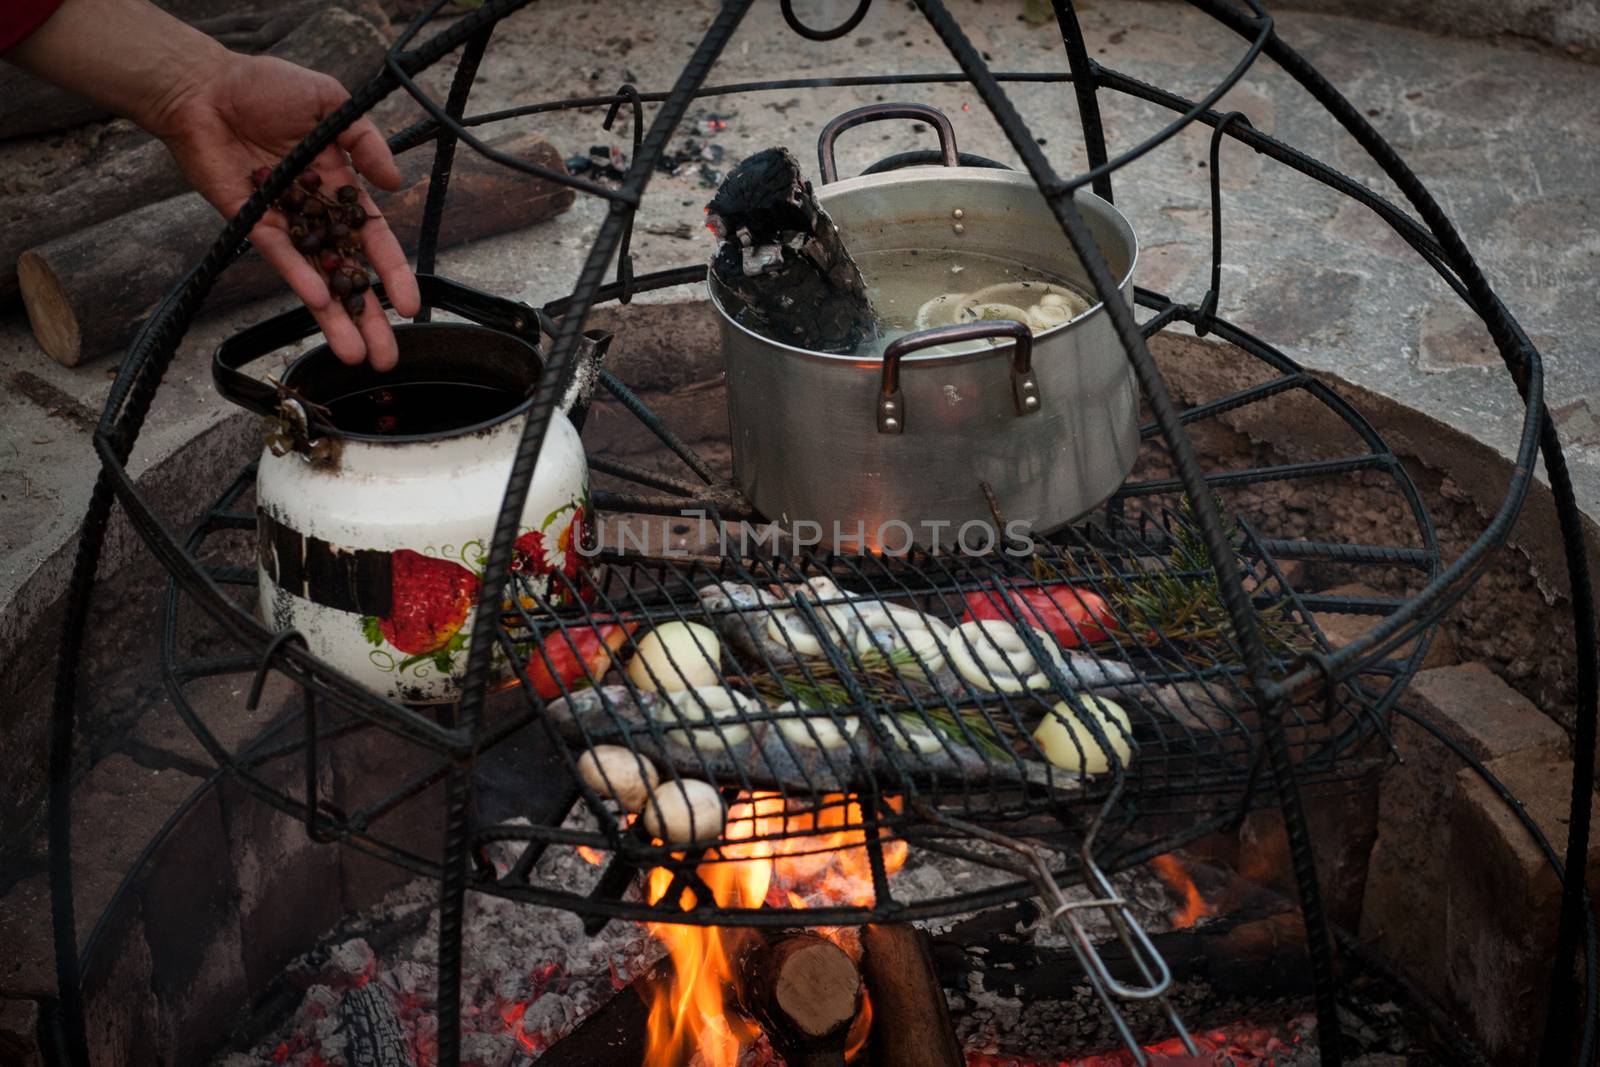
(411, 408)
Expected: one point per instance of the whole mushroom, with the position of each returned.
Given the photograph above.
(619, 774)
(684, 812)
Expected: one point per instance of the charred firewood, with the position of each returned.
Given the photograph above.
(781, 261)
(910, 1019)
(374, 1034)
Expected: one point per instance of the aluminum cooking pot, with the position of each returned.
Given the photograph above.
(375, 512)
(879, 453)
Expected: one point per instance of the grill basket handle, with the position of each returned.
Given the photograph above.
(1024, 386)
(877, 113)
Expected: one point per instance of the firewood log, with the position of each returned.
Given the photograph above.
(911, 1024)
(31, 106)
(804, 991)
(87, 293)
(781, 259)
(374, 1036)
(348, 46)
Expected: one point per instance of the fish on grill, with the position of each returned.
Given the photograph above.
(781, 262)
(754, 753)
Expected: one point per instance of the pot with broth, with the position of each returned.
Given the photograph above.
(1052, 432)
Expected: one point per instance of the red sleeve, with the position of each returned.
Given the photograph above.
(19, 18)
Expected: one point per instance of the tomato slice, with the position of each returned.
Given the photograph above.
(572, 656)
(1071, 615)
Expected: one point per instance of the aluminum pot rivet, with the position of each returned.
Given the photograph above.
(958, 214)
(959, 228)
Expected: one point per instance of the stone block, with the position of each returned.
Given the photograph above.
(367, 765)
(192, 926)
(1410, 863)
(117, 810)
(1343, 822)
(1343, 629)
(19, 1034)
(27, 967)
(120, 1007)
(1503, 900)
(219, 703)
(289, 885)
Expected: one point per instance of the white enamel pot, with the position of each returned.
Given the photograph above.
(373, 545)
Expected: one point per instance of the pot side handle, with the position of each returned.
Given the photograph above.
(259, 340)
(1024, 386)
(877, 113)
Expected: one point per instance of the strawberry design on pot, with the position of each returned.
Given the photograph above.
(571, 540)
(432, 598)
(528, 555)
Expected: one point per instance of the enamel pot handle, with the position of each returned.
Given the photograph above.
(1024, 386)
(259, 340)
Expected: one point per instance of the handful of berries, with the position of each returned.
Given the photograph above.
(325, 230)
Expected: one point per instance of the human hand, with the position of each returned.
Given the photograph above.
(236, 113)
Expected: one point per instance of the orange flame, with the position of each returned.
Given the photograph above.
(759, 867)
(1194, 907)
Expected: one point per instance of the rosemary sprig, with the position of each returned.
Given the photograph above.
(1181, 601)
(883, 680)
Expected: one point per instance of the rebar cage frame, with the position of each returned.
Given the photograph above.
(1275, 689)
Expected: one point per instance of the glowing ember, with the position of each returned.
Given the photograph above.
(1235, 1045)
(828, 865)
(1194, 907)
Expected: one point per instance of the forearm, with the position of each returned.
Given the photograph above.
(125, 55)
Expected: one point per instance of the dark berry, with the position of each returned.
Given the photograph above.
(359, 281)
(260, 175)
(315, 208)
(294, 197)
(356, 216)
(311, 181)
(340, 284)
(355, 304)
(348, 194)
(298, 222)
(309, 242)
(338, 232)
(329, 261)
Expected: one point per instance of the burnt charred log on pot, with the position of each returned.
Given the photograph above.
(781, 262)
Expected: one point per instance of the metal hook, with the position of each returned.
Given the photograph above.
(1208, 306)
(787, 7)
(1319, 661)
(313, 801)
(627, 93)
(274, 646)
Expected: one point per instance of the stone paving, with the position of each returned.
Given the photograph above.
(1504, 134)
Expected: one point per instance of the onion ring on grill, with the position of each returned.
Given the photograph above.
(891, 628)
(991, 655)
(787, 627)
(725, 707)
(811, 729)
